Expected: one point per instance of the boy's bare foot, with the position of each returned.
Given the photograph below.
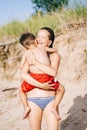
(56, 114)
(26, 112)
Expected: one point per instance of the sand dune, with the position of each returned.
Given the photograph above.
(72, 74)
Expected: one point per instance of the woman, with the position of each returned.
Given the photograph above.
(45, 37)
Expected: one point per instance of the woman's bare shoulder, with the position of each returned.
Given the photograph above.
(55, 55)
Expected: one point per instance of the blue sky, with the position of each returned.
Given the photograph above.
(15, 10)
(19, 10)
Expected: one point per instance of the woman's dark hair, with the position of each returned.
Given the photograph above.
(51, 36)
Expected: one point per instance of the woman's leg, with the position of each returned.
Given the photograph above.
(35, 116)
(51, 121)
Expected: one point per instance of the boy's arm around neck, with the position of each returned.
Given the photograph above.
(51, 50)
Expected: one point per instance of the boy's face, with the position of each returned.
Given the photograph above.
(43, 38)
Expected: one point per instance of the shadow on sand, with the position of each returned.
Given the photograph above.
(77, 119)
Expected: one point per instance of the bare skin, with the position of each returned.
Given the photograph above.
(48, 111)
(25, 104)
(35, 115)
(26, 112)
(53, 109)
(31, 58)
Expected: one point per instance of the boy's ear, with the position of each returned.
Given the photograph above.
(36, 41)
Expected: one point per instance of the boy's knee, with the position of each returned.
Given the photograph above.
(61, 87)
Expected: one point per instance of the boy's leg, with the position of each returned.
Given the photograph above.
(57, 100)
(55, 112)
(23, 97)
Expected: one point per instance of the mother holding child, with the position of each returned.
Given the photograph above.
(40, 93)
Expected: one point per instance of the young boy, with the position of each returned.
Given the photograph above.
(29, 42)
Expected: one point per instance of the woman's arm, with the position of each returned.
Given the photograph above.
(29, 79)
(46, 69)
(55, 61)
(50, 70)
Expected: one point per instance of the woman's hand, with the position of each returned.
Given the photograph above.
(47, 86)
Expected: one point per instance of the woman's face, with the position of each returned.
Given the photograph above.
(43, 38)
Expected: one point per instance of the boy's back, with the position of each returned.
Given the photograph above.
(40, 55)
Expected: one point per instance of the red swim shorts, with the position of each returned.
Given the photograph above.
(41, 78)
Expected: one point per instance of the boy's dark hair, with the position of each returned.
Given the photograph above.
(51, 36)
(26, 39)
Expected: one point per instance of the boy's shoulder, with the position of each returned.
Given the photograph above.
(26, 53)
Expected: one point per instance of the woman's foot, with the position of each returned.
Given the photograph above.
(26, 112)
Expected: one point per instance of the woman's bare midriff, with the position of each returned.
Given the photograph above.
(40, 93)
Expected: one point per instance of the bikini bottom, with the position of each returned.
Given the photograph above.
(42, 102)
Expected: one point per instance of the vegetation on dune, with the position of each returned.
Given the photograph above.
(55, 20)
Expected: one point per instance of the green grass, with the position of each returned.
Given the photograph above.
(35, 23)
(55, 20)
(11, 29)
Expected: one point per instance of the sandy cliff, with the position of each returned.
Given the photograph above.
(72, 73)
